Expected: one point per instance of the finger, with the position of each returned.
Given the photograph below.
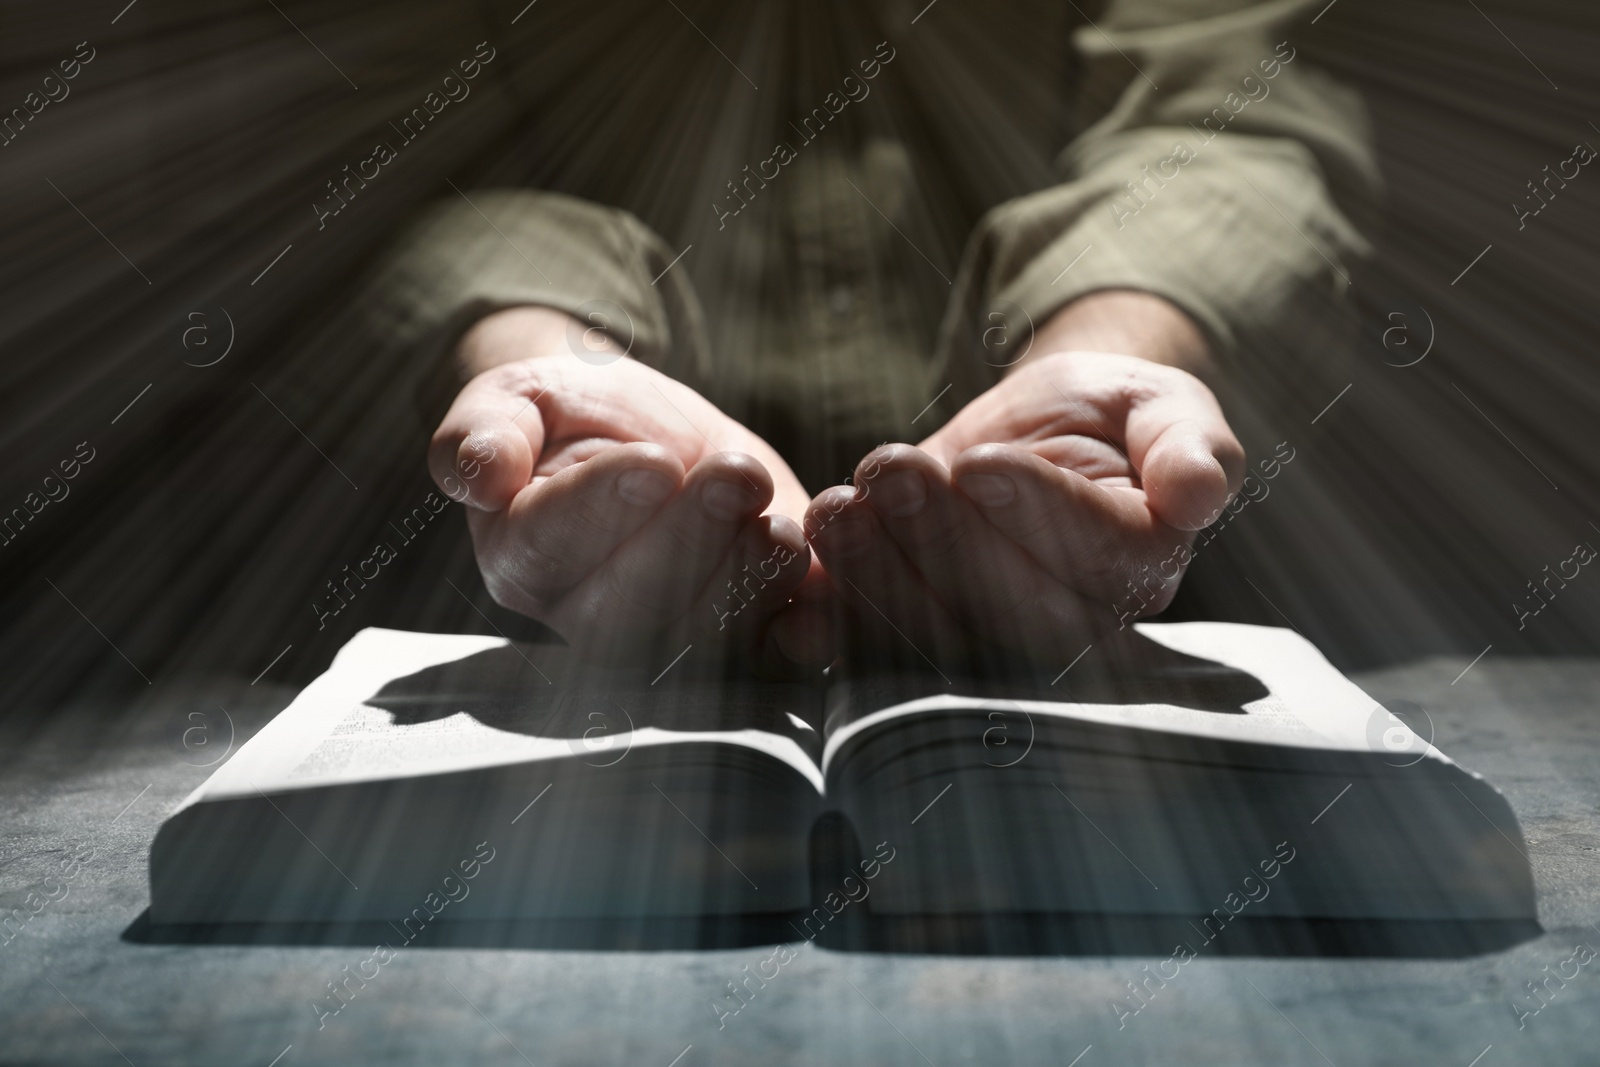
(560, 530)
(803, 634)
(989, 583)
(940, 534)
(730, 612)
(801, 637)
(1099, 461)
(988, 606)
(1189, 461)
(752, 584)
(657, 574)
(484, 450)
(1089, 538)
(889, 602)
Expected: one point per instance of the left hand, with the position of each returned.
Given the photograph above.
(1052, 509)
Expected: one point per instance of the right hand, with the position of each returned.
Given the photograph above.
(615, 505)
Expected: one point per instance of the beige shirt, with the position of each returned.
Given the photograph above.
(824, 215)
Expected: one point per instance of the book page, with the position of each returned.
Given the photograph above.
(1296, 697)
(402, 704)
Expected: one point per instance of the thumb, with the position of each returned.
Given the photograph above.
(483, 453)
(1190, 471)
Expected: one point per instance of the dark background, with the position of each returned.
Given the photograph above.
(206, 524)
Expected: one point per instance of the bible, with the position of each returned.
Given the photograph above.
(1199, 769)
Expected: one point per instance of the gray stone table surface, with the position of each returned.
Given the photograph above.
(74, 990)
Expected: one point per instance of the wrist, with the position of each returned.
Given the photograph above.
(524, 332)
(1129, 322)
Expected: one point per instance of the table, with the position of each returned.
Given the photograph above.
(100, 776)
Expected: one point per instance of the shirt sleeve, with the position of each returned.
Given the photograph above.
(504, 248)
(1222, 172)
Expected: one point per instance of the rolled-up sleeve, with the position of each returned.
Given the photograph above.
(504, 248)
(1222, 171)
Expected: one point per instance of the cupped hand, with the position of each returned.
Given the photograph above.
(1049, 512)
(621, 508)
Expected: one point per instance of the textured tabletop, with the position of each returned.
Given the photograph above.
(83, 799)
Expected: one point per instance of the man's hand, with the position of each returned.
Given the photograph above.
(1049, 511)
(618, 506)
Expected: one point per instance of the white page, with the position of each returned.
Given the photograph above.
(1309, 704)
(330, 736)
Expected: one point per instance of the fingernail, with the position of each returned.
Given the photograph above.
(990, 490)
(643, 487)
(900, 494)
(725, 500)
(826, 508)
(787, 533)
(845, 537)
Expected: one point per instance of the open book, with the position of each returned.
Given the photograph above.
(1227, 768)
